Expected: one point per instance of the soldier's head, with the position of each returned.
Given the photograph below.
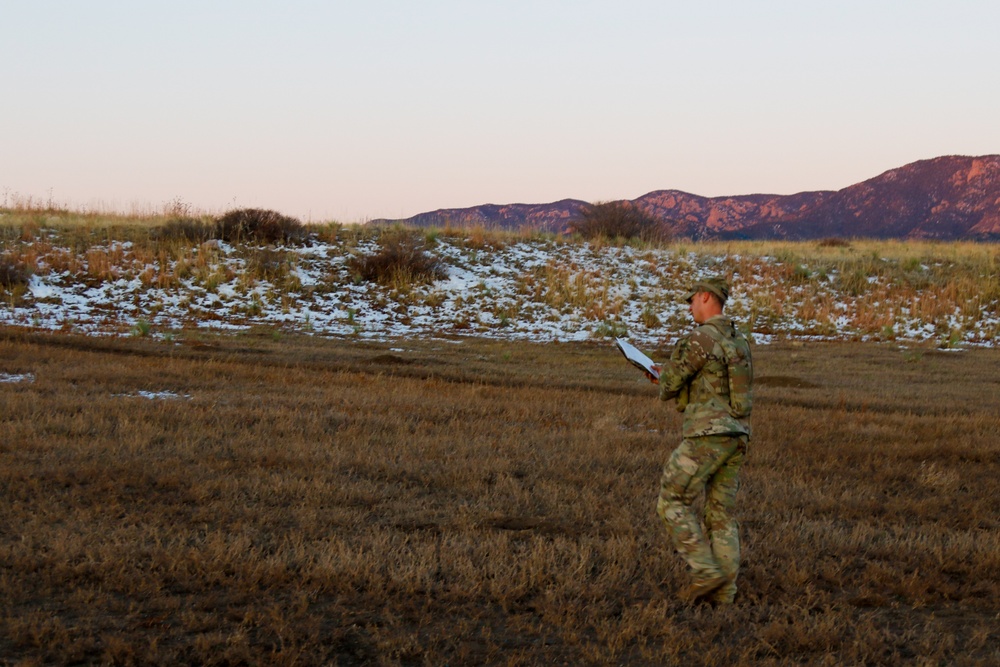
(707, 298)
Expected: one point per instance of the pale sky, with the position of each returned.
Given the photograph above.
(377, 108)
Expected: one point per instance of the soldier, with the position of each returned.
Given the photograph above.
(710, 374)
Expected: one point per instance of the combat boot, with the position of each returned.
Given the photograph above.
(724, 594)
(704, 584)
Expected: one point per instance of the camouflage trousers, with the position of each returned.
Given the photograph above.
(709, 464)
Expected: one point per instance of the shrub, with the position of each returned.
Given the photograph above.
(650, 319)
(619, 219)
(799, 274)
(13, 273)
(260, 225)
(401, 261)
(141, 328)
(186, 229)
(611, 329)
(834, 242)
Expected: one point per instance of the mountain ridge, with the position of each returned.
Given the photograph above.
(952, 197)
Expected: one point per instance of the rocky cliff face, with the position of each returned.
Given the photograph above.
(944, 198)
(727, 217)
(947, 198)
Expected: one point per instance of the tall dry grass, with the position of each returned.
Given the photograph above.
(875, 287)
(562, 287)
(430, 502)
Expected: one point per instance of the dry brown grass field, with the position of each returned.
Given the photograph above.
(297, 500)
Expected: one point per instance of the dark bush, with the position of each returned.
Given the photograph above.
(13, 274)
(260, 225)
(402, 261)
(183, 229)
(619, 220)
(834, 242)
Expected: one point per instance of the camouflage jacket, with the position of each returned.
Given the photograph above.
(697, 377)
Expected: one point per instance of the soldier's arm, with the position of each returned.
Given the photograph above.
(690, 354)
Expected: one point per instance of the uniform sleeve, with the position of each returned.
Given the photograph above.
(689, 356)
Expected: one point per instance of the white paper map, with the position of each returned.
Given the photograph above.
(635, 357)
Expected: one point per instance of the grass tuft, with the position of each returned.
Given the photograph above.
(400, 262)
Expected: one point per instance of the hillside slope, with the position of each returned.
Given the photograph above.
(946, 198)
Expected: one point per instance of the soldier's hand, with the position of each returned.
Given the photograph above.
(653, 378)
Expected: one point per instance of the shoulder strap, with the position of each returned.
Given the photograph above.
(715, 332)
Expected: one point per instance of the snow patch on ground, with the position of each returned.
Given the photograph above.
(532, 290)
(153, 395)
(13, 378)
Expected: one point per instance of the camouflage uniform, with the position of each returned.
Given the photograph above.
(709, 457)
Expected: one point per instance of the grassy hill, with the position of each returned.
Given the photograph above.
(162, 276)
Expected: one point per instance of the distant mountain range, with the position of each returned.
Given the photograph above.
(946, 198)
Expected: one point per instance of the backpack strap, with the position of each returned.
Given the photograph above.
(739, 368)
